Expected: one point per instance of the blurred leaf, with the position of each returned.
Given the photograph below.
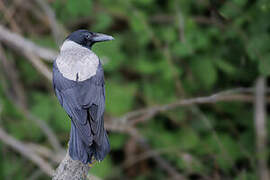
(43, 106)
(8, 170)
(27, 129)
(46, 41)
(119, 97)
(190, 164)
(145, 66)
(117, 141)
(102, 169)
(230, 10)
(205, 72)
(182, 49)
(162, 91)
(258, 45)
(240, 2)
(60, 120)
(140, 27)
(49, 110)
(224, 66)
(168, 34)
(103, 22)
(79, 8)
(245, 175)
(229, 153)
(144, 2)
(111, 54)
(188, 139)
(27, 72)
(264, 65)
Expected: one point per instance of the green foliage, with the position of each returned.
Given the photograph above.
(244, 175)
(117, 141)
(111, 54)
(120, 97)
(102, 169)
(27, 72)
(204, 71)
(8, 170)
(104, 21)
(46, 41)
(73, 9)
(48, 109)
(264, 65)
(225, 66)
(188, 139)
(78, 8)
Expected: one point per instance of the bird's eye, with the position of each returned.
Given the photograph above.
(88, 36)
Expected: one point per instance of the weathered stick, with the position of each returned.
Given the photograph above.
(70, 169)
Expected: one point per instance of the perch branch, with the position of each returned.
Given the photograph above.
(67, 162)
(71, 169)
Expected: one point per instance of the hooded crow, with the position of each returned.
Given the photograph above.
(78, 82)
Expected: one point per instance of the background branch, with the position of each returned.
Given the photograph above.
(26, 152)
(58, 30)
(16, 86)
(230, 95)
(16, 41)
(260, 127)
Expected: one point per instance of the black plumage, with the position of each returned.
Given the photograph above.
(84, 102)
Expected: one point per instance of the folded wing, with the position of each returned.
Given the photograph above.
(84, 102)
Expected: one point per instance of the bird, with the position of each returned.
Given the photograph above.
(78, 82)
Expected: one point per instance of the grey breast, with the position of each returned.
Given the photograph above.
(76, 62)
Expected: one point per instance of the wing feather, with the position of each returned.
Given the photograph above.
(84, 102)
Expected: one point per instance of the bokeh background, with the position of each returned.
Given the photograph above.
(185, 86)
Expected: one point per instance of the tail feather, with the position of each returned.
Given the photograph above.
(80, 151)
(101, 150)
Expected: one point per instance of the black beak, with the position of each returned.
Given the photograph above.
(98, 37)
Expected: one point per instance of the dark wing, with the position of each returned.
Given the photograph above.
(84, 102)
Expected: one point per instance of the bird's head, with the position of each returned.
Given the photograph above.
(87, 38)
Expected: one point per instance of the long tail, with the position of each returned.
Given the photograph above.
(78, 150)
